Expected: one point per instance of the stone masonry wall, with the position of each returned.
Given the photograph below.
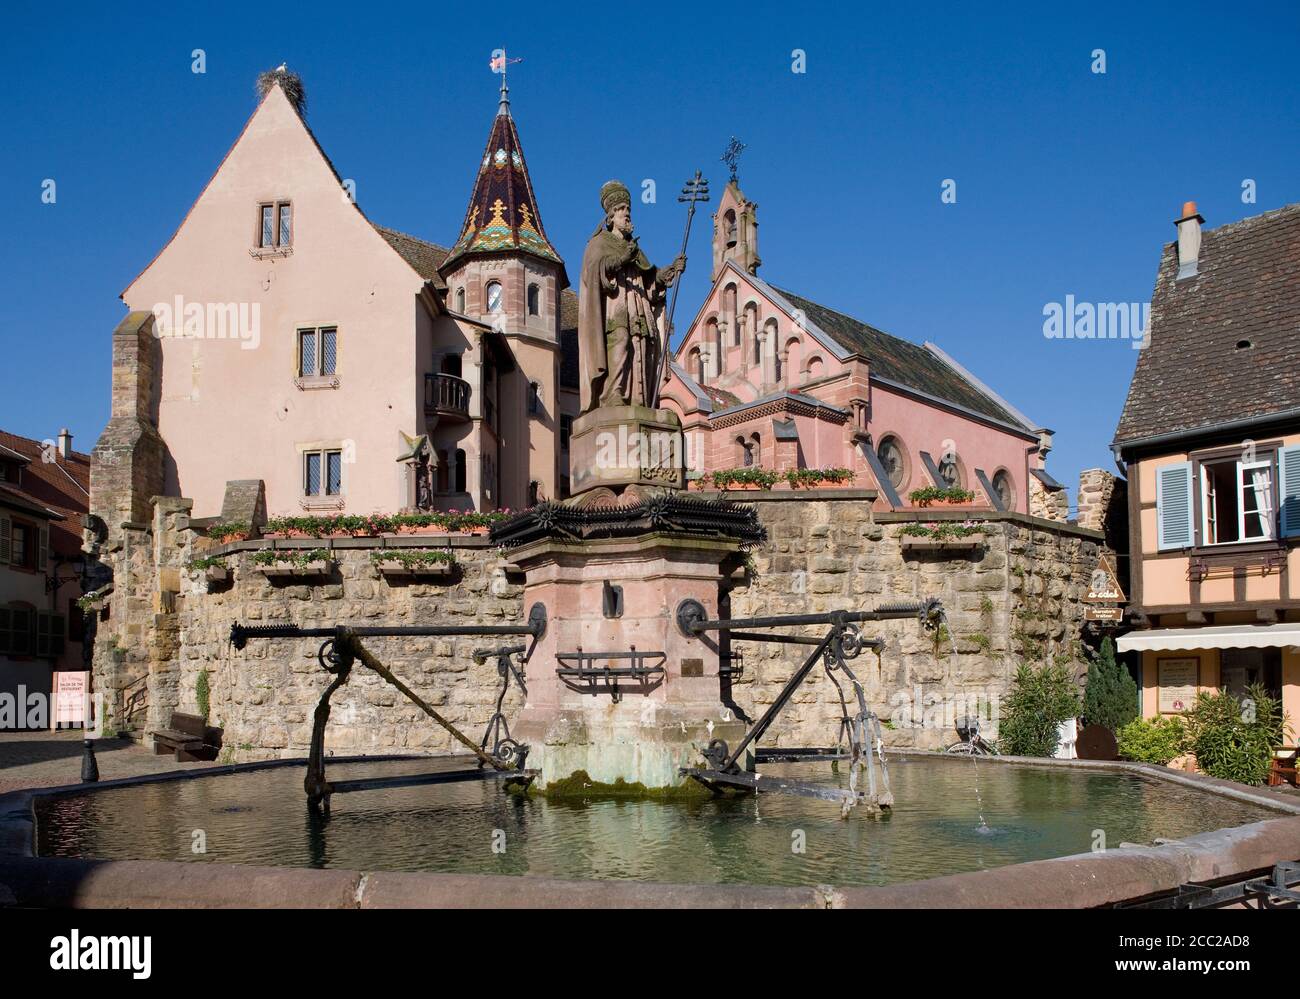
(1017, 597)
(263, 696)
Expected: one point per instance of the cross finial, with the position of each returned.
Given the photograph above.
(731, 156)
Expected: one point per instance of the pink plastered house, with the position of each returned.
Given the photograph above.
(765, 377)
(346, 366)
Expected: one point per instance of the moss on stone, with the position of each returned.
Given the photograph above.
(579, 784)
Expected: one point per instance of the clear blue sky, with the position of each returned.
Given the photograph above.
(1067, 181)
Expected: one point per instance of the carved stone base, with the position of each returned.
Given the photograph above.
(619, 446)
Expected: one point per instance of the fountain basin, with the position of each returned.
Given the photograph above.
(771, 850)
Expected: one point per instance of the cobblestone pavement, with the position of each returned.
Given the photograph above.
(45, 759)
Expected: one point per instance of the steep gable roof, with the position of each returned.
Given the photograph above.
(1191, 375)
(902, 362)
(424, 257)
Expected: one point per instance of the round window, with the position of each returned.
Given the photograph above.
(1002, 486)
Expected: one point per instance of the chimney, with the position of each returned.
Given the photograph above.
(65, 443)
(1189, 240)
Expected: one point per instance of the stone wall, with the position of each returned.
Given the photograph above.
(1016, 596)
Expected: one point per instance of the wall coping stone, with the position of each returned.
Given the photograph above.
(993, 516)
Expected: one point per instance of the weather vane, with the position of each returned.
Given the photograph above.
(732, 155)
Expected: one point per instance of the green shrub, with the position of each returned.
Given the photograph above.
(1234, 738)
(1039, 701)
(1111, 697)
(202, 694)
(1156, 741)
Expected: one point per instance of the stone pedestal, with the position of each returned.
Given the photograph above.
(617, 446)
(654, 727)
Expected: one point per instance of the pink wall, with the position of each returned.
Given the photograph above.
(230, 408)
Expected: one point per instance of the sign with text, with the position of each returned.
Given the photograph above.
(70, 690)
(1100, 613)
(1179, 679)
(1104, 586)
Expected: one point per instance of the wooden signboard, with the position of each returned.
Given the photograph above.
(1179, 680)
(1112, 614)
(1104, 588)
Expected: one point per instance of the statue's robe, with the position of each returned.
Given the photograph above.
(620, 337)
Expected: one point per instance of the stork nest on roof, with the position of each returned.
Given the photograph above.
(289, 81)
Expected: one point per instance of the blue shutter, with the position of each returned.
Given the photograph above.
(1288, 491)
(1174, 517)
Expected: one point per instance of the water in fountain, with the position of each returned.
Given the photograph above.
(983, 827)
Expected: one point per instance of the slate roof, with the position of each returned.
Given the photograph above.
(908, 364)
(61, 486)
(1191, 375)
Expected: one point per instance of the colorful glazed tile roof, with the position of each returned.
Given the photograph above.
(502, 214)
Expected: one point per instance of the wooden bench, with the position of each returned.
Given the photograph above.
(187, 737)
(1280, 773)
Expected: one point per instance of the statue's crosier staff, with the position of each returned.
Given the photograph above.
(693, 191)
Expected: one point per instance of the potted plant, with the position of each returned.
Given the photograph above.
(744, 478)
(213, 568)
(949, 496)
(414, 561)
(224, 532)
(299, 562)
(941, 535)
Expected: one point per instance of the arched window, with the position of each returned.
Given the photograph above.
(534, 493)
(756, 445)
(495, 297)
(751, 324)
(459, 471)
(534, 398)
(460, 300)
(534, 300)
(729, 226)
(696, 366)
(1005, 488)
(814, 368)
(893, 458)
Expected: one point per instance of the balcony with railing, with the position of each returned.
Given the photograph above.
(446, 396)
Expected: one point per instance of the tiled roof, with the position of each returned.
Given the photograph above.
(502, 216)
(1191, 374)
(908, 364)
(62, 485)
(424, 257)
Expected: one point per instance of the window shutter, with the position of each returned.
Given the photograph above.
(20, 632)
(1289, 490)
(43, 549)
(6, 540)
(6, 625)
(42, 634)
(58, 632)
(1174, 518)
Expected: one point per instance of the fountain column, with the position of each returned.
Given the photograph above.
(605, 597)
